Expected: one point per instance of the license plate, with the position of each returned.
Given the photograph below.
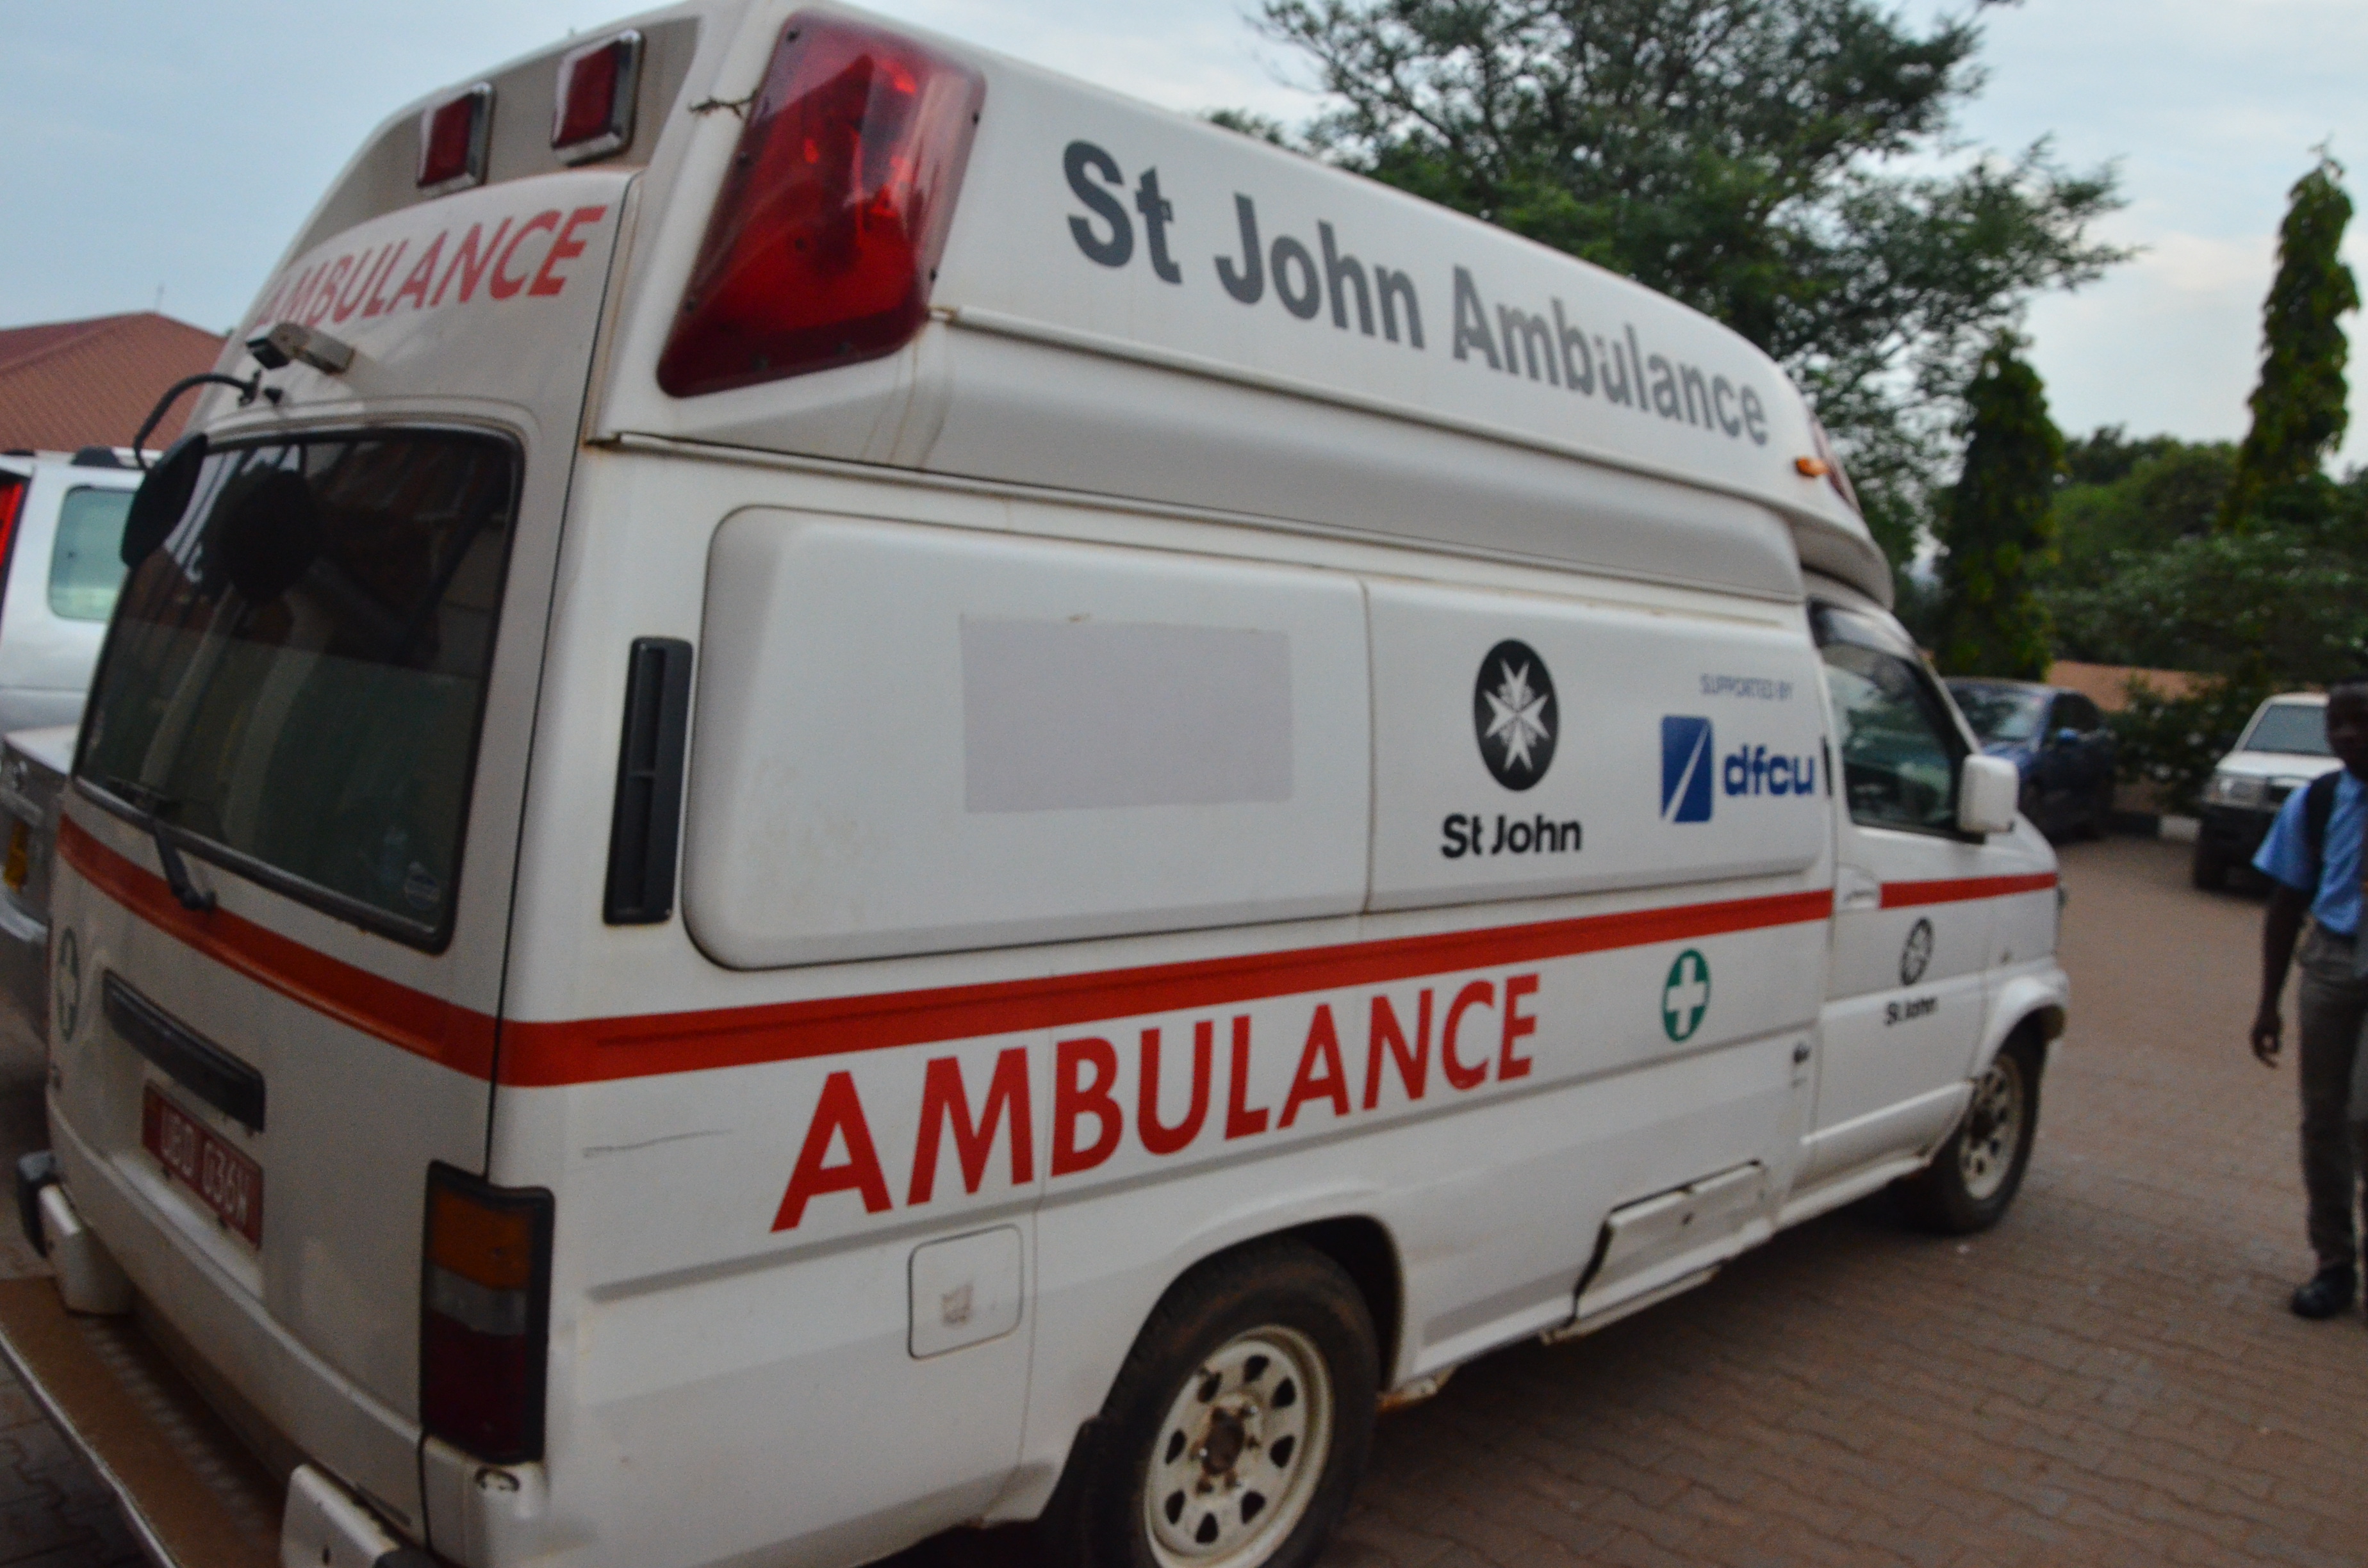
(224, 1180)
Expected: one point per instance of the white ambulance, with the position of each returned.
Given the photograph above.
(891, 794)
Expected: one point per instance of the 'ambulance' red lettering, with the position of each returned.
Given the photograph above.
(326, 295)
(1510, 1066)
(1157, 1138)
(1323, 1048)
(469, 263)
(1071, 1099)
(565, 246)
(1479, 994)
(1242, 1118)
(838, 1116)
(504, 285)
(378, 305)
(415, 287)
(943, 1096)
(350, 298)
(1413, 1067)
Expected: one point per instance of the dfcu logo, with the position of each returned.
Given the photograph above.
(1752, 771)
(1685, 768)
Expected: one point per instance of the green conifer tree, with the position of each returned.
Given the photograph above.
(2298, 413)
(1997, 525)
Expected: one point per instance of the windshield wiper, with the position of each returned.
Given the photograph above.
(153, 805)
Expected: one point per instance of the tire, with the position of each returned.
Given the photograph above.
(2209, 870)
(1972, 1181)
(1237, 1427)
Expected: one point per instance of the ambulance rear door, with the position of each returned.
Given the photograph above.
(286, 852)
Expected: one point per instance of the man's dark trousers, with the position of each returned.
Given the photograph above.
(2334, 1006)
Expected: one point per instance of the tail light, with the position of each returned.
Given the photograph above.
(594, 115)
(12, 501)
(452, 139)
(484, 1315)
(828, 228)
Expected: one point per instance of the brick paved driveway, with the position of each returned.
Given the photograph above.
(2109, 1377)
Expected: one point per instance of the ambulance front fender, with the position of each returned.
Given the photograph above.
(2039, 1000)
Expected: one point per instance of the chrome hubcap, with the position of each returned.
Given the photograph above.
(1238, 1457)
(1992, 1130)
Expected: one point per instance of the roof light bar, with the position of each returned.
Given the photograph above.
(833, 212)
(593, 114)
(452, 139)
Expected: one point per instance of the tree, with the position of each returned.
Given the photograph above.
(2299, 412)
(1996, 524)
(2122, 501)
(1741, 155)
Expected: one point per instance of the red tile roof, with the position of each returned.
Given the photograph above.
(2108, 685)
(90, 383)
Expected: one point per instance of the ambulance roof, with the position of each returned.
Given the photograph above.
(1138, 303)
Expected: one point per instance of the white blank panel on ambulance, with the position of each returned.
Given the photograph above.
(913, 739)
(1528, 746)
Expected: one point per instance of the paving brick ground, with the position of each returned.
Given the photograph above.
(2109, 1377)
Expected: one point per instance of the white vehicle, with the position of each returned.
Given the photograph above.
(61, 529)
(1252, 765)
(33, 768)
(2283, 749)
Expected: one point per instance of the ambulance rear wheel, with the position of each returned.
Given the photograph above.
(1237, 1427)
(1970, 1183)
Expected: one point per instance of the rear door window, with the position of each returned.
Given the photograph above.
(294, 680)
(87, 563)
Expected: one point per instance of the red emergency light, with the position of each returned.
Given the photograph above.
(452, 139)
(826, 233)
(594, 113)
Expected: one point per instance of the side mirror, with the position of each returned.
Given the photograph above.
(1987, 787)
(2067, 736)
(160, 499)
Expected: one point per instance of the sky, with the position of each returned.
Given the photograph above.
(161, 145)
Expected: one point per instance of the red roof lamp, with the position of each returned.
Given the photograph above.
(827, 233)
(452, 139)
(594, 113)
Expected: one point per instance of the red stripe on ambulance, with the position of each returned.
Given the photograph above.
(1959, 889)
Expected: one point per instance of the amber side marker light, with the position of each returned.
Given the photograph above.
(484, 1315)
(452, 139)
(594, 115)
(827, 233)
(1830, 466)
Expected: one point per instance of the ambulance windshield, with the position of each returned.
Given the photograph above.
(293, 680)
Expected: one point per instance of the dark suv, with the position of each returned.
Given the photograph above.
(2058, 740)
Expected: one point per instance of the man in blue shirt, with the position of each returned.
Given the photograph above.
(2322, 879)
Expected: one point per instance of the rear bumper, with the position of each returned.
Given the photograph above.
(272, 1392)
(189, 1490)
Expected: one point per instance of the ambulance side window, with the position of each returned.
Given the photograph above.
(1899, 752)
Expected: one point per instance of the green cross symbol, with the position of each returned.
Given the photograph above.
(1685, 996)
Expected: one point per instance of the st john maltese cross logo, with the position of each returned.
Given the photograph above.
(1514, 716)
